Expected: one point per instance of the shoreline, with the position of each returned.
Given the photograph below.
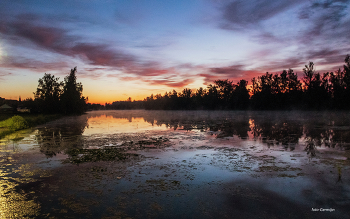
(30, 121)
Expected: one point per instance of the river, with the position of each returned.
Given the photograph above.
(179, 164)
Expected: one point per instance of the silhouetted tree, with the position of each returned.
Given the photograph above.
(211, 99)
(337, 88)
(72, 101)
(263, 90)
(185, 101)
(199, 98)
(241, 96)
(346, 83)
(269, 92)
(48, 93)
(316, 95)
(225, 90)
(308, 75)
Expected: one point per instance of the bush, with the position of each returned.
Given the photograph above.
(16, 123)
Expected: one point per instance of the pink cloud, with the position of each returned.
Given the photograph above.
(60, 41)
(38, 66)
(170, 83)
(100, 54)
(234, 73)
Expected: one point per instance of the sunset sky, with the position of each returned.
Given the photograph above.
(135, 48)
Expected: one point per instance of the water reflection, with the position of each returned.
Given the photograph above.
(62, 135)
(110, 124)
(286, 129)
(97, 141)
(15, 204)
(16, 201)
(310, 147)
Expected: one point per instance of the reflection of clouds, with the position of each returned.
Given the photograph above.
(108, 124)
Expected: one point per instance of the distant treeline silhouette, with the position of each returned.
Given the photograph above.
(53, 96)
(282, 91)
(123, 105)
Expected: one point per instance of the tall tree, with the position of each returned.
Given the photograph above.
(308, 75)
(48, 93)
(72, 100)
(316, 95)
(241, 96)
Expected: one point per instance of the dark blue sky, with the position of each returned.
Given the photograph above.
(135, 48)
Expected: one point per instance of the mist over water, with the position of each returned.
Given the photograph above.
(176, 164)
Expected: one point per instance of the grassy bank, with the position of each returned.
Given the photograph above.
(12, 123)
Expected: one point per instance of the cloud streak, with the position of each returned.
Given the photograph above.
(38, 66)
(134, 47)
(171, 83)
(3, 75)
(100, 56)
(319, 31)
(234, 73)
(58, 40)
(248, 13)
(314, 20)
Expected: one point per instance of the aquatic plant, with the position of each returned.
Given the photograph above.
(77, 156)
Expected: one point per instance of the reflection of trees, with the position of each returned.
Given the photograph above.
(341, 138)
(61, 135)
(339, 174)
(318, 128)
(227, 125)
(310, 147)
(286, 128)
(276, 129)
(330, 130)
(229, 128)
(272, 128)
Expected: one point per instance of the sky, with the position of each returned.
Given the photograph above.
(136, 48)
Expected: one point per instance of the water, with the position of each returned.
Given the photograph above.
(179, 164)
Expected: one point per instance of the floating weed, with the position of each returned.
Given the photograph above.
(277, 169)
(29, 170)
(78, 156)
(155, 206)
(286, 175)
(74, 205)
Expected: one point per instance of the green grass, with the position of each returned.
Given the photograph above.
(10, 124)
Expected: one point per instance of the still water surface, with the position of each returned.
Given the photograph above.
(179, 164)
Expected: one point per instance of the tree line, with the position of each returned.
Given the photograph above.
(280, 91)
(53, 96)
